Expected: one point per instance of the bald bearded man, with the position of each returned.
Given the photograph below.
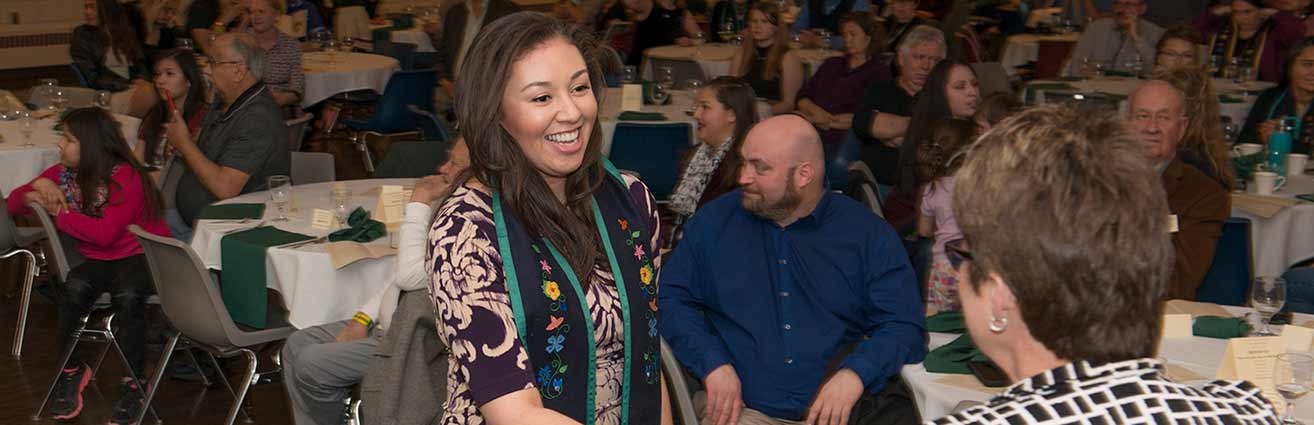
(812, 312)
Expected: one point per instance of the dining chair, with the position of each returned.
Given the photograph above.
(653, 151)
(13, 241)
(296, 129)
(391, 115)
(682, 407)
(194, 309)
(1228, 280)
(312, 167)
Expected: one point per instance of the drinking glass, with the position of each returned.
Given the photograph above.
(186, 44)
(347, 44)
(693, 84)
(28, 124)
(102, 99)
(630, 74)
(340, 201)
(666, 75)
(331, 46)
(727, 31)
(1230, 130)
(659, 93)
(1267, 295)
(1293, 380)
(280, 191)
(60, 99)
(824, 34)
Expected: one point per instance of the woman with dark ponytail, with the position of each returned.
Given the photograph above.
(938, 158)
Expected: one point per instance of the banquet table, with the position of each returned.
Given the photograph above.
(677, 111)
(21, 163)
(1287, 237)
(715, 58)
(330, 73)
(1023, 48)
(936, 399)
(1124, 86)
(313, 292)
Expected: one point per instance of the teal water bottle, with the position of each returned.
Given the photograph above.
(1279, 145)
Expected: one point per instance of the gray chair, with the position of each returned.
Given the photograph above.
(677, 388)
(13, 239)
(63, 256)
(194, 307)
(312, 167)
(296, 129)
(862, 187)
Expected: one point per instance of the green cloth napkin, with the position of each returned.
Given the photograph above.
(1245, 165)
(1220, 327)
(641, 116)
(953, 357)
(361, 228)
(947, 322)
(243, 280)
(233, 212)
(1223, 98)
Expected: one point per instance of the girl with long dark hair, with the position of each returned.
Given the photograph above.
(95, 192)
(179, 79)
(768, 64)
(107, 53)
(544, 257)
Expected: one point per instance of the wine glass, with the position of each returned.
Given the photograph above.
(666, 75)
(60, 99)
(659, 93)
(331, 46)
(28, 124)
(1293, 380)
(101, 99)
(727, 31)
(824, 34)
(280, 191)
(630, 74)
(1267, 295)
(340, 201)
(347, 44)
(698, 39)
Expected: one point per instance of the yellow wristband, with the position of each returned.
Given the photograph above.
(363, 319)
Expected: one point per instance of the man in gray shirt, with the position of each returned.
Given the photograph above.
(1117, 41)
(242, 141)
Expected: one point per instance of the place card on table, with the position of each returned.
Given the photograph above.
(322, 219)
(347, 252)
(390, 208)
(632, 97)
(1254, 359)
(1297, 339)
(1177, 326)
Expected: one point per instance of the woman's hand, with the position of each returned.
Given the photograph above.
(48, 194)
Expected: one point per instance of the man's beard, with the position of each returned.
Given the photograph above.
(778, 210)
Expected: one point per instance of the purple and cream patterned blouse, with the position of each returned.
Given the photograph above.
(475, 320)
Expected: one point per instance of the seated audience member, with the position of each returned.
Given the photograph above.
(94, 193)
(106, 53)
(206, 18)
(1179, 46)
(656, 23)
(314, 20)
(178, 78)
(1079, 11)
(1197, 203)
(157, 26)
(724, 110)
(1060, 285)
(322, 363)
(815, 323)
(766, 61)
(732, 14)
(882, 117)
(1303, 10)
(243, 139)
(993, 108)
(830, 96)
(283, 74)
(1117, 41)
(461, 23)
(951, 92)
(1203, 145)
(568, 11)
(810, 16)
(938, 158)
(1253, 38)
(1286, 100)
(900, 18)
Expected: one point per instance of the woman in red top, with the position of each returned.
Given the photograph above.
(94, 193)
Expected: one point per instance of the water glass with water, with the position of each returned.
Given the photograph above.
(340, 201)
(1293, 374)
(28, 124)
(101, 99)
(280, 192)
(1267, 295)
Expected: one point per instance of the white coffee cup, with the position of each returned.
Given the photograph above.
(1244, 149)
(1296, 164)
(1267, 182)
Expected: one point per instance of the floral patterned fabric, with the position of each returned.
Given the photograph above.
(475, 319)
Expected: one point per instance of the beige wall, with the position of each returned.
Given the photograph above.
(40, 11)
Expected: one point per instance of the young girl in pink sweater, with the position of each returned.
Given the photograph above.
(95, 192)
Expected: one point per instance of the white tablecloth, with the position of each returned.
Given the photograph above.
(715, 58)
(1197, 354)
(21, 164)
(1124, 86)
(313, 292)
(328, 74)
(1023, 48)
(1286, 238)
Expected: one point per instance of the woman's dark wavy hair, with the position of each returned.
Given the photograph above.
(736, 95)
(497, 160)
(932, 105)
(101, 147)
(152, 125)
(116, 30)
(938, 156)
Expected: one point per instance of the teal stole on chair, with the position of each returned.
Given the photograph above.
(552, 315)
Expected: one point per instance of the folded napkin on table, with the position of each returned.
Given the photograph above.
(233, 212)
(947, 322)
(362, 228)
(953, 357)
(243, 280)
(1220, 327)
(641, 116)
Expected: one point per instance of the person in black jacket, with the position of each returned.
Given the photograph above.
(452, 41)
(106, 53)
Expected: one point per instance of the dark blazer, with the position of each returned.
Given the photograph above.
(1201, 205)
(454, 28)
(89, 57)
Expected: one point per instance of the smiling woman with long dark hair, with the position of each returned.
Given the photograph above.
(544, 257)
(94, 193)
